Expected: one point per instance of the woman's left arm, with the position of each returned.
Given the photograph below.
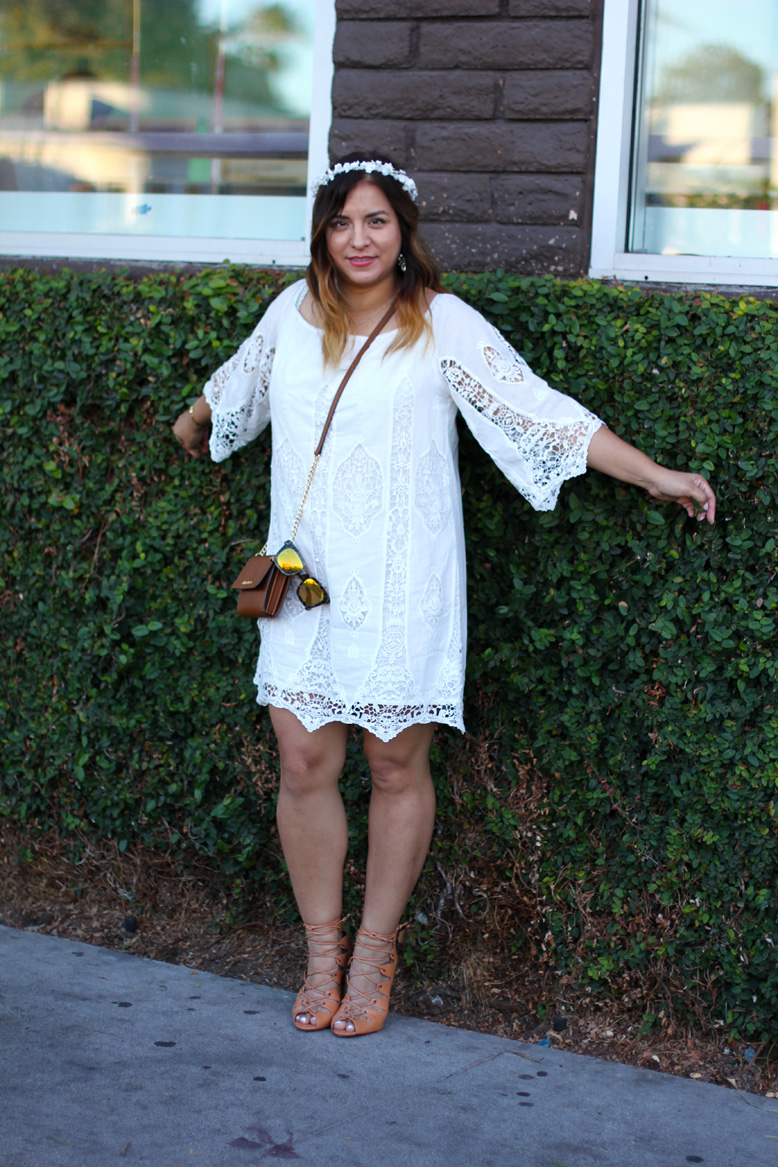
(612, 456)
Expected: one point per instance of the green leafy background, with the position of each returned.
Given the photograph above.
(611, 810)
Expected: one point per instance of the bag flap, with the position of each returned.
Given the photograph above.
(253, 572)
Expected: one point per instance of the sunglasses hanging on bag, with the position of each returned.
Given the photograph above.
(264, 581)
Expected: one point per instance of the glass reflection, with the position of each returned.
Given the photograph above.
(706, 151)
(150, 97)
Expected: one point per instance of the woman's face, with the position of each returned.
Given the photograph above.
(364, 239)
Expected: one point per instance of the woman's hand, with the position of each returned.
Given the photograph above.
(691, 491)
(190, 432)
(609, 453)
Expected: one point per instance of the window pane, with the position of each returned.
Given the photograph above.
(155, 117)
(705, 168)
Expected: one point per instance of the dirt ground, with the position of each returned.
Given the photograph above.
(186, 920)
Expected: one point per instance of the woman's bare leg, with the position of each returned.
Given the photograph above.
(312, 825)
(402, 816)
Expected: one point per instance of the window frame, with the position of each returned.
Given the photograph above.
(609, 258)
(256, 252)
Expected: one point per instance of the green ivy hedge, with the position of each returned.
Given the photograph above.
(612, 809)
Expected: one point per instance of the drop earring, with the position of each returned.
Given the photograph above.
(403, 266)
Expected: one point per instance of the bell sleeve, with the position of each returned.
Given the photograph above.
(537, 436)
(238, 392)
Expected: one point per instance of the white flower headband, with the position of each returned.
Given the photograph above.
(384, 168)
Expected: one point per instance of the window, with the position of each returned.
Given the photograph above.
(162, 129)
(686, 183)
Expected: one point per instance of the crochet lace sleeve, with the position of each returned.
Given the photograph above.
(537, 436)
(238, 392)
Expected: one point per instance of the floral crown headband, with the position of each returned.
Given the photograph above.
(375, 167)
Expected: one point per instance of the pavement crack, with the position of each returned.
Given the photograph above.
(470, 1066)
(368, 1109)
(91, 1029)
(518, 1054)
(482, 1061)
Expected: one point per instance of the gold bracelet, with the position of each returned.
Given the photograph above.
(199, 424)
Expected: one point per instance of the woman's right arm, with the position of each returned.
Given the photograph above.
(191, 427)
(236, 398)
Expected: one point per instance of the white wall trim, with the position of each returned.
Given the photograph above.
(614, 134)
(58, 245)
(321, 105)
(609, 257)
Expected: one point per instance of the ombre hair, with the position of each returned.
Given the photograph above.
(420, 275)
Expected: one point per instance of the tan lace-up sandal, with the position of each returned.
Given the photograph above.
(320, 995)
(365, 1012)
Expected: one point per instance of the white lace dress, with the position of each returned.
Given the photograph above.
(382, 528)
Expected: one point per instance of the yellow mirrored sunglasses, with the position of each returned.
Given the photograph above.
(289, 561)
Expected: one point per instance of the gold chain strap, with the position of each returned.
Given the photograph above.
(296, 526)
(311, 473)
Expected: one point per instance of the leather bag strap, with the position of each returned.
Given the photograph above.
(384, 320)
(317, 452)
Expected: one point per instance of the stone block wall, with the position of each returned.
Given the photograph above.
(491, 105)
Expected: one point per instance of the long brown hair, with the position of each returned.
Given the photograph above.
(421, 272)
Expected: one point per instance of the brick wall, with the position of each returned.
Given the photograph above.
(491, 105)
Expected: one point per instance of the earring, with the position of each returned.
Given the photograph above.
(403, 266)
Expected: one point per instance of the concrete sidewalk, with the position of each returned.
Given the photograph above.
(111, 1058)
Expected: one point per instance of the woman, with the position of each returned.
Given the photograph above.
(382, 530)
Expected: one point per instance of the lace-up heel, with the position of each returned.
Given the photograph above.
(318, 999)
(366, 1011)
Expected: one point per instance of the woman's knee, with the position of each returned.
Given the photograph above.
(309, 760)
(305, 772)
(400, 764)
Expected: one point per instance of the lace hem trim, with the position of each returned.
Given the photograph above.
(384, 721)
